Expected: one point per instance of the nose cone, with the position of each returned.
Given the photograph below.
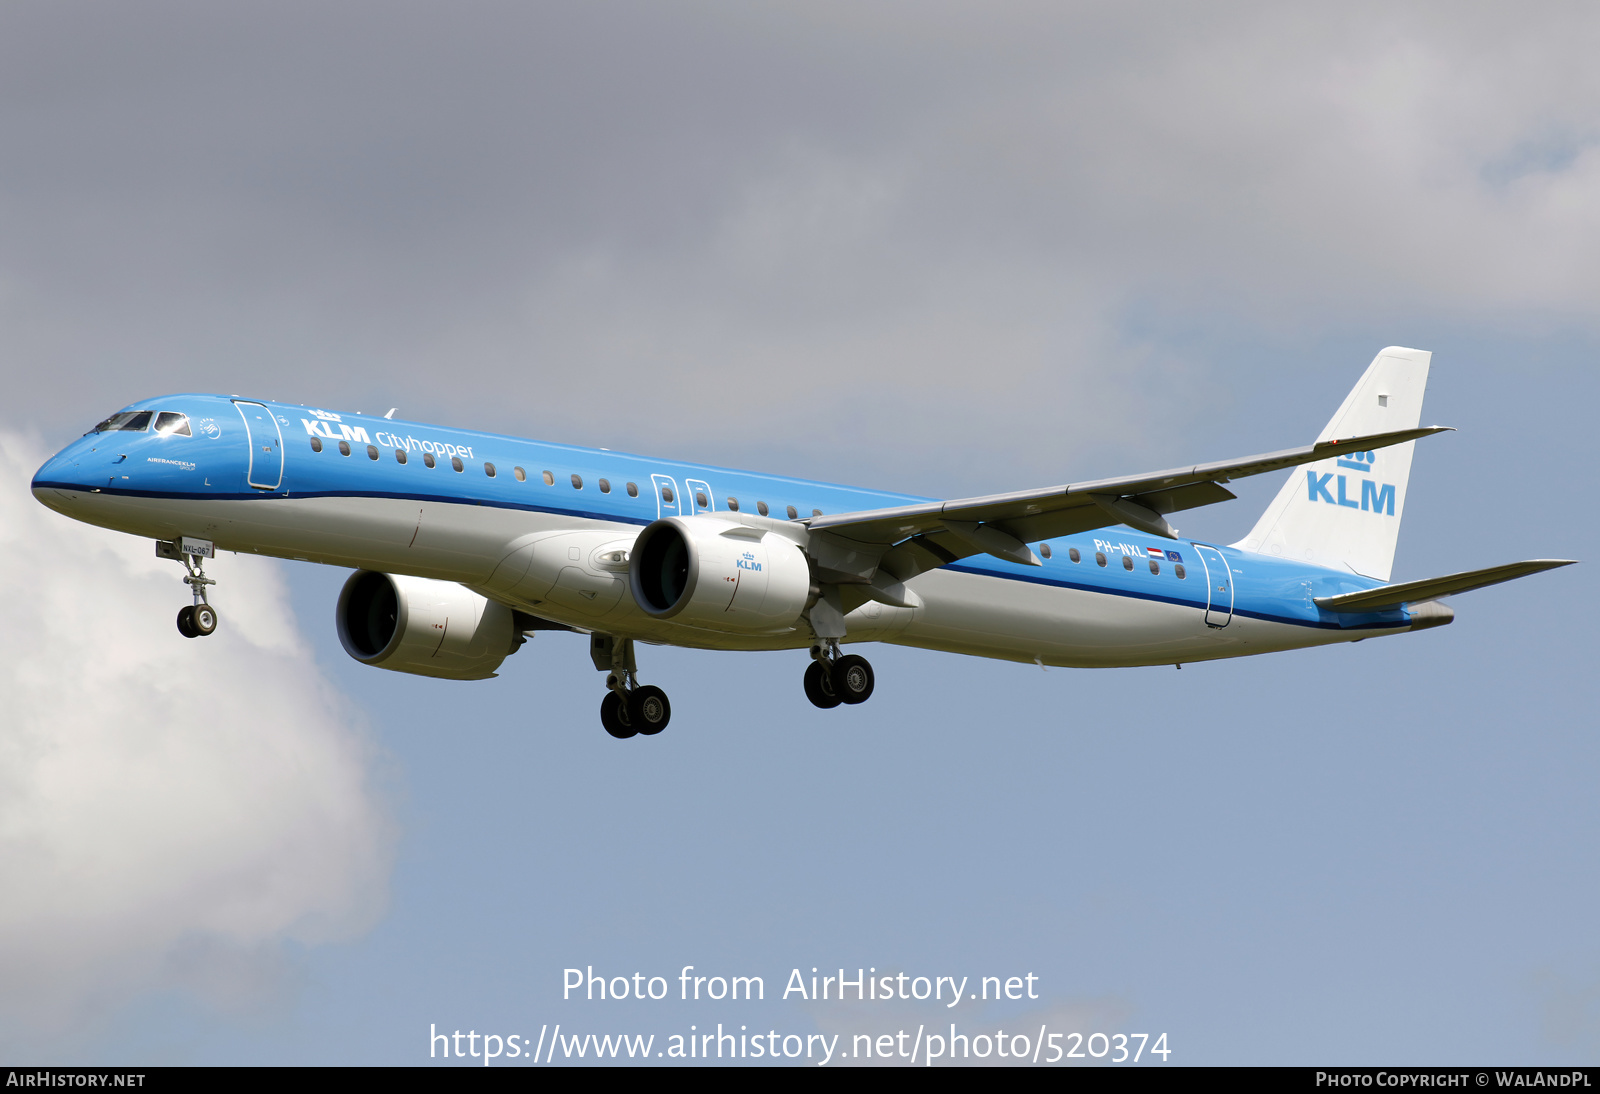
(64, 475)
(55, 469)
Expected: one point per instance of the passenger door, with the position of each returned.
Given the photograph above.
(265, 470)
(1219, 586)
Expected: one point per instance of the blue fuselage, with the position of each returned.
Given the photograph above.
(237, 461)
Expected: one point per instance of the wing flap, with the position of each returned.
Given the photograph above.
(1410, 592)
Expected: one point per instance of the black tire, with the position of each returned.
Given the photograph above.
(852, 679)
(203, 618)
(648, 710)
(614, 716)
(819, 688)
(186, 623)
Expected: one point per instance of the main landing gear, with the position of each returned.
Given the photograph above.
(832, 679)
(199, 619)
(628, 709)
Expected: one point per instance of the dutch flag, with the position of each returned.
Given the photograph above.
(1156, 553)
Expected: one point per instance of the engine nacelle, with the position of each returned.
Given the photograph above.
(718, 575)
(417, 625)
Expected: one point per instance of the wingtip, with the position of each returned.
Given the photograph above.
(1383, 440)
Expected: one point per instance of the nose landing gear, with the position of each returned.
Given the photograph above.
(832, 678)
(628, 709)
(199, 619)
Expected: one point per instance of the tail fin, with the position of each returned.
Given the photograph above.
(1345, 512)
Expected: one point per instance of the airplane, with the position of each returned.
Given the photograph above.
(465, 544)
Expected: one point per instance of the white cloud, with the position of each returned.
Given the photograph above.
(170, 809)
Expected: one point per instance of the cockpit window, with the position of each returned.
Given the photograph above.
(169, 423)
(134, 420)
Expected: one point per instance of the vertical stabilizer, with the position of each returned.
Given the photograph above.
(1345, 512)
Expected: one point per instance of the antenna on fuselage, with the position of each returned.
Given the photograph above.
(391, 412)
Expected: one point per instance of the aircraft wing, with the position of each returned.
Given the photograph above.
(1411, 592)
(912, 539)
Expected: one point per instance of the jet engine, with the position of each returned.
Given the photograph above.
(718, 575)
(431, 628)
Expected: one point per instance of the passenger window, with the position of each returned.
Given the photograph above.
(633, 490)
(344, 448)
(316, 444)
(1099, 558)
(761, 507)
(549, 479)
(816, 512)
(372, 451)
(1044, 549)
(733, 504)
(700, 499)
(488, 468)
(1127, 563)
(455, 462)
(605, 486)
(1178, 569)
(1155, 567)
(427, 459)
(792, 513)
(667, 495)
(577, 482)
(171, 424)
(399, 455)
(1072, 553)
(522, 476)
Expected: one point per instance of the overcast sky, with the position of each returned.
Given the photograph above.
(928, 247)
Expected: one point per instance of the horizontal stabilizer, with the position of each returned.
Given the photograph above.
(1393, 596)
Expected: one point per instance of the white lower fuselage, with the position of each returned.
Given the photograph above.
(488, 549)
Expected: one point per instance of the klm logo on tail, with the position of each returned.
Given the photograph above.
(1375, 498)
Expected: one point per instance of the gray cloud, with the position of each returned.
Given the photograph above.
(839, 235)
